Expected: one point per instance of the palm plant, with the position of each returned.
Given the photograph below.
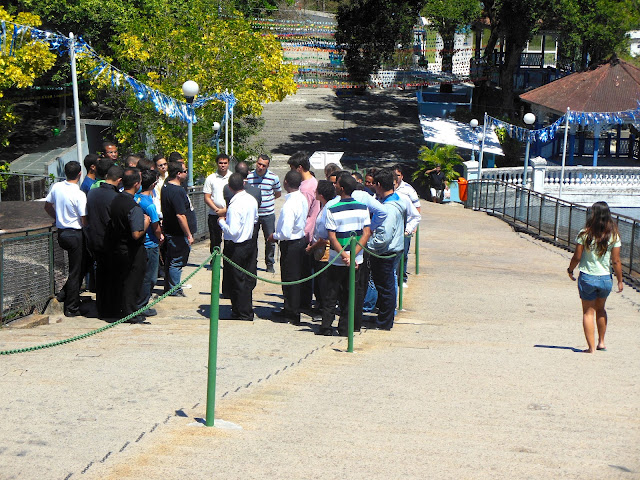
(443, 155)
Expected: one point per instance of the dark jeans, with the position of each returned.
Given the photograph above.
(215, 232)
(320, 283)
(291, 254)
(407, 246)
(239, 285)
(268, 224)
(383, 273)
(72, 241)
(337, 289)
(150, 276)
(178, 250)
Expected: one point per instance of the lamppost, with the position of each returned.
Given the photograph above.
(190, 89)
(216, 133)
(529, 119)
(474, 124)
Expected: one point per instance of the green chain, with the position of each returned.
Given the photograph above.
(293, 282)
(111, 325)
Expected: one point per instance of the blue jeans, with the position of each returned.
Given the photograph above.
(150, 276)
(383, 273)
(178, 250)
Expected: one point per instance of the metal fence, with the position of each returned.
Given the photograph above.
(550, 218)
(25, 186)
(33, 267)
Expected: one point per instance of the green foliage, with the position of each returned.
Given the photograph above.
(28, 61)
(4, 179)
(595, 29)
(370, 30)
(219, 54)
(443, 155)
(447, 18)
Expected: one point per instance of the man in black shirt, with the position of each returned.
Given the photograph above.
(437, 182)
(98, 216)
(179, 223)
(125, 239)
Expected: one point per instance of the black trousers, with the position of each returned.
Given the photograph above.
(215, 232)
(306, 289)
(337, 289)
(130, 269)
(72, 241)
(107, 302)
(238, 285)
(291, 255)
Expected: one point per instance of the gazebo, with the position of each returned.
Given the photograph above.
(611, 87)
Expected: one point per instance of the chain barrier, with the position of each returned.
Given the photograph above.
(111, 325)
(293, 282)
(375, 254)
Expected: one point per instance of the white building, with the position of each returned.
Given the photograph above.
(634, 43)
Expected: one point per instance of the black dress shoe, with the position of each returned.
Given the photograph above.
(150, 312)
(325, 332)
(137, 319)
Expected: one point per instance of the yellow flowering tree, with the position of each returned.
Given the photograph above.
(219, 54)
(20, 64)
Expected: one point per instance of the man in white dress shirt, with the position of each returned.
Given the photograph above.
(237, 226)
(290, 233)
(213, 197)
(406, 189)
(67, 204)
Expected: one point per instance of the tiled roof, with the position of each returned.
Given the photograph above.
(611, 87)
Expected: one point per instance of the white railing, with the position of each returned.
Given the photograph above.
(619, 186)
(594, 176)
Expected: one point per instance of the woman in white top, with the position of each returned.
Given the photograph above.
(598, 246)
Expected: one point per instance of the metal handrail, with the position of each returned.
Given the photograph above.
(554, 219)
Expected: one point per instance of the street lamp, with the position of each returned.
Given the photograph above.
(529, 119)
(474, 124)
(190, 89)
(216, 132)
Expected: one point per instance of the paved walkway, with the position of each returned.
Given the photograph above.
(478, 379)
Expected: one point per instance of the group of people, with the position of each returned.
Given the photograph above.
(314, 227)
(113, 224)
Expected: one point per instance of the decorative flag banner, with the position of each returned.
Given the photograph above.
(61, 44)
(585, 119)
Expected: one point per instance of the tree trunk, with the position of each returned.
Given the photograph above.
(511, 63)
(448, 42)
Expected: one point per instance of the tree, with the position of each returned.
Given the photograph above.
(21, 62)
(592, 30)
(370, 30)
(447, 18)
(443, 155)
(219, 54)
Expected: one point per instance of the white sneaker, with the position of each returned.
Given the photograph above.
(405, 285)
(187, 286)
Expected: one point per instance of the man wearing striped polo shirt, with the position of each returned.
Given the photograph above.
(343, 219)
(269, 186)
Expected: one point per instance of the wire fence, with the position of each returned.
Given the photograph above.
(23, 187)
(550, 218)
(33, 267)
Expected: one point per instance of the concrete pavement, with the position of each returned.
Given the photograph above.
(480, 378)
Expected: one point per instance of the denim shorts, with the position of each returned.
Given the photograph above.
(591, 287)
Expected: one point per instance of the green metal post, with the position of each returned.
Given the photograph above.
(213, 339)
(417, 245)
(400, 281)
(352, 291)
